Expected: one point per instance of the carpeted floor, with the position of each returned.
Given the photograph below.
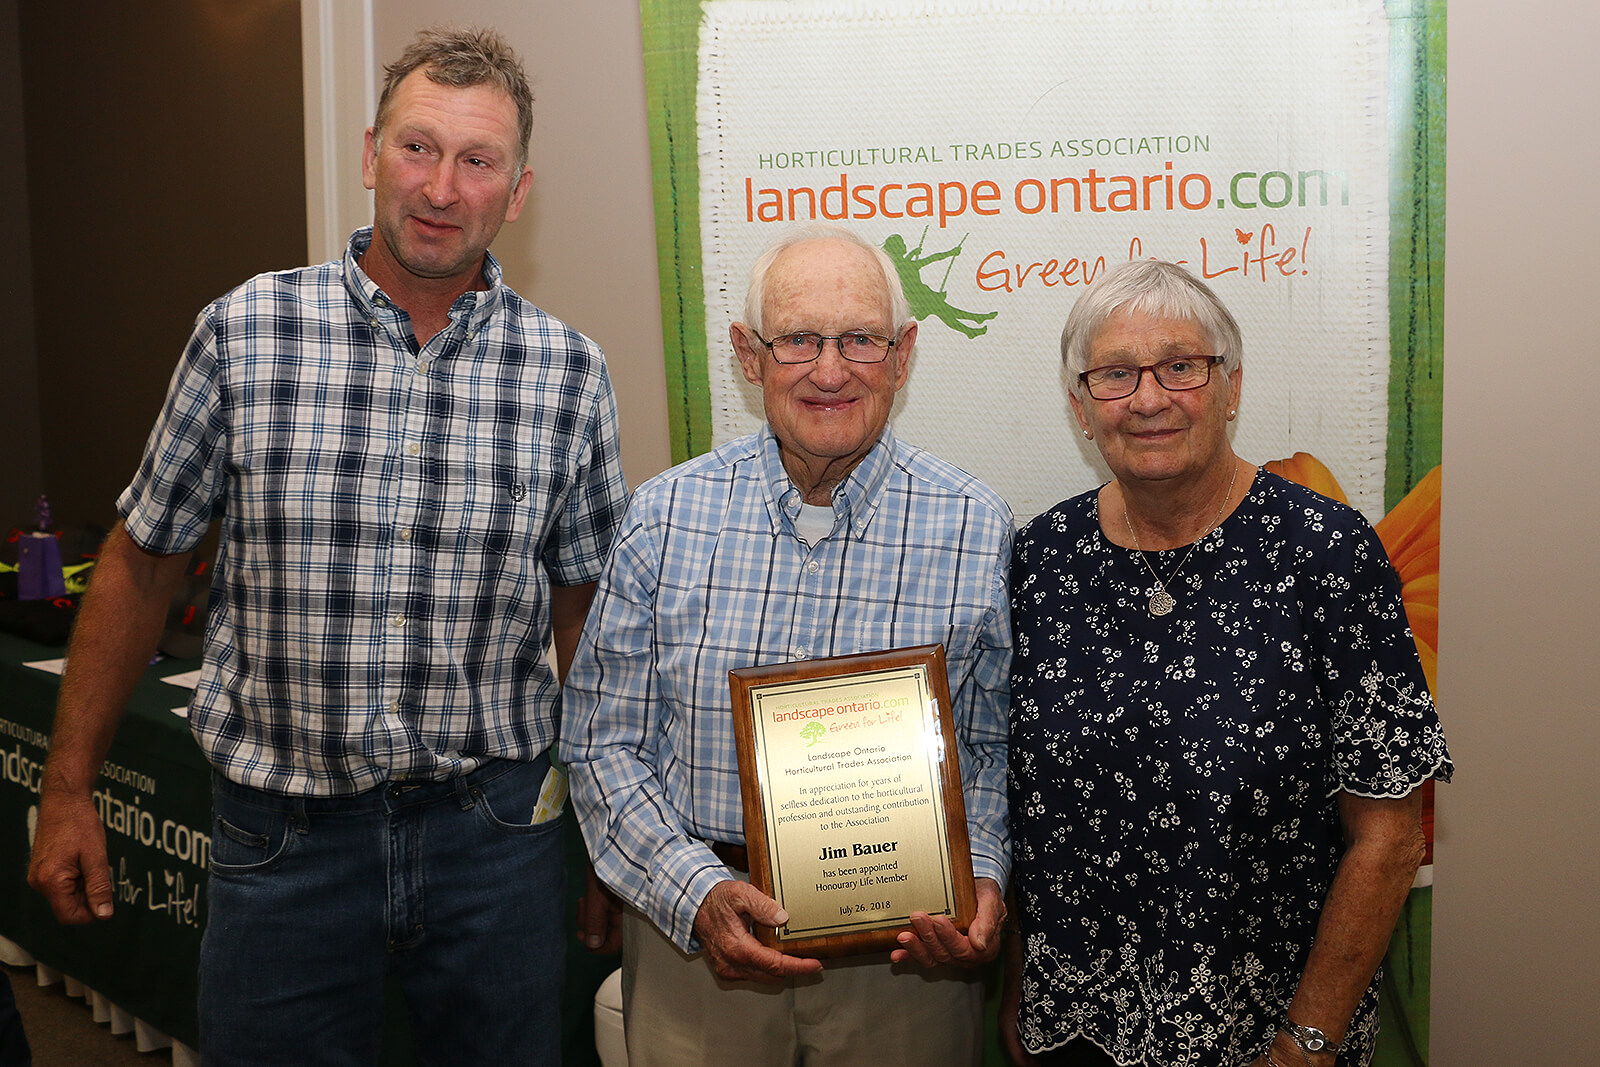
(63, 1032)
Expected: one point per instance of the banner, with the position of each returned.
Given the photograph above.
(1004, 153)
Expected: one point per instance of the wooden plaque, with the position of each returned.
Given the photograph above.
(853, 812)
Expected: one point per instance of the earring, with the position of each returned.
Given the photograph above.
(1087, 436)
(1231, 414)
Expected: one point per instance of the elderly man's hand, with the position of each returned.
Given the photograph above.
(723, 928)
(934, 940)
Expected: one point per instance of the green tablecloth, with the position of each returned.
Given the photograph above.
(154, 795)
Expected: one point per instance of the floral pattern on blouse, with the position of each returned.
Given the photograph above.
(1175, 779)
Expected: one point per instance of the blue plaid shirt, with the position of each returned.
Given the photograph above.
(708, 575)
(392, 519)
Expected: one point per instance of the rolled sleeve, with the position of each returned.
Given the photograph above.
(177, 490)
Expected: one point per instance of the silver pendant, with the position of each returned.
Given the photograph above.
(1161, 602)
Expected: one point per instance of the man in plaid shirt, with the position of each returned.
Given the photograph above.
(820, 535)
(417, 478)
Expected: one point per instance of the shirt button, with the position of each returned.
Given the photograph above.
(373, 322)
(394, 706)
(812, 566)
(422, 366)
(798, 652)
(414, 448)
(405, 535)
(399, 621)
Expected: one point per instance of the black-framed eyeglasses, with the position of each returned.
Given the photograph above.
(1174, 375)
(858, 346)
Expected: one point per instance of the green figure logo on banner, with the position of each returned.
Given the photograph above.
(925, 301)
(812, 732)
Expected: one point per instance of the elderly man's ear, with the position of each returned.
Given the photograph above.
(750, 351)
(902, 353)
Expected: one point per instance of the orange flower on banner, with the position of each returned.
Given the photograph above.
(1305, 469)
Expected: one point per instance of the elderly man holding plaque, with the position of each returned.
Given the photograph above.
(821, 535)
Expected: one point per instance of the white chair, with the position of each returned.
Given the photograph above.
(610, 1041)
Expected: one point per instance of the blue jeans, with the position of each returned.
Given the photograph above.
(443, 885)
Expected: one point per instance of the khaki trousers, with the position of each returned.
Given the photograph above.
(860, 1011)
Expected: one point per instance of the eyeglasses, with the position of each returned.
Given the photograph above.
(1174, 375)
(857, 346)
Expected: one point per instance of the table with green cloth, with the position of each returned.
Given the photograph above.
(154, 796)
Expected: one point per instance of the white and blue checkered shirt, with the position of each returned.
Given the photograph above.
(392, 519)
(708, 575)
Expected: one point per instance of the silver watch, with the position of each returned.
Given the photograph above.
(1309, 1038)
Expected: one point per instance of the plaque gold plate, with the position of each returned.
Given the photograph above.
(851, 782)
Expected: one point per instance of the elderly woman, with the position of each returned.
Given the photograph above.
(1218, 725)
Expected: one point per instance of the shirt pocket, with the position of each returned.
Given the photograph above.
(497, 499)
(496, 516)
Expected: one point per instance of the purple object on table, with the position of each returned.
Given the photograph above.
(39, 567)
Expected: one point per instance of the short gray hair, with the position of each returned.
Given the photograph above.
(755, 295)
(1152, 287)
(462, 58)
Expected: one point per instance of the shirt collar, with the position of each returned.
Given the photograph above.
(856, 498)
(475, 307)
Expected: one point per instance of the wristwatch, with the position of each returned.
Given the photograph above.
(1309, 1038)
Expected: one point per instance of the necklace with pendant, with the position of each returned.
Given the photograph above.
(1161, 601)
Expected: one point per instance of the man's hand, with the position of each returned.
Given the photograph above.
(69, 865)
(934, 940)
(599, 915)
(723, 928)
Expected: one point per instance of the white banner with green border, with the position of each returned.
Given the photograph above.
(1291, 152)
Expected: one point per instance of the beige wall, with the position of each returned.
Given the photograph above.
(1516, 938)
(1516, 944)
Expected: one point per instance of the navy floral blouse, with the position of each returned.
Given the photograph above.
(1175, 779)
